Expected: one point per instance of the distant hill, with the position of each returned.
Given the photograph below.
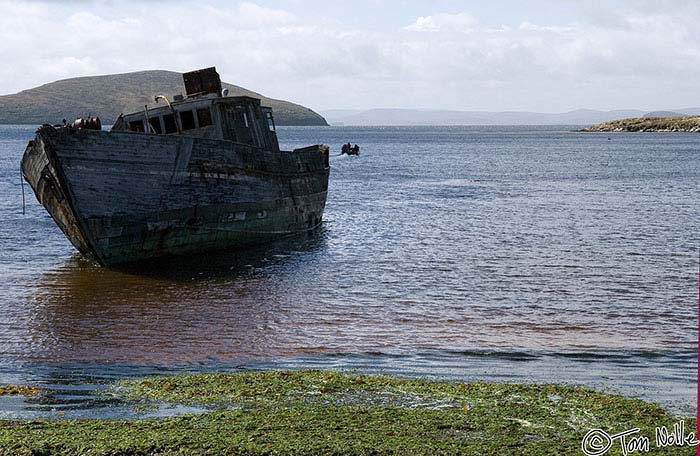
(108, 96)
(657, 114)
(391, 117)
(650, 124)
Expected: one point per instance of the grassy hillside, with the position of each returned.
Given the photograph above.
(108, 96)
(681, 124)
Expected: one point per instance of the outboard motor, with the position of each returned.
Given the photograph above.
(87, 123)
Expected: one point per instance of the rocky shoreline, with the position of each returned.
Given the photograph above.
(649, 124)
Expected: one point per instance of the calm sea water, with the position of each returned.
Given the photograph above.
(465, 253)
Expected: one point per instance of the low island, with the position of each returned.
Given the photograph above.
(689, 124)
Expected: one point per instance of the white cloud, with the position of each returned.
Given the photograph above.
(631, 58)
(445, 23)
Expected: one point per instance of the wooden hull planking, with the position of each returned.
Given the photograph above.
(126, 197)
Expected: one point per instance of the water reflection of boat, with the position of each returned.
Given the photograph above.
(222, 308)
(202, 173)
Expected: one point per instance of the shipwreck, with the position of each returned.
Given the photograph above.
(197, 173)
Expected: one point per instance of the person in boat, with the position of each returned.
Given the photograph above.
(344, 150)
(356, 150)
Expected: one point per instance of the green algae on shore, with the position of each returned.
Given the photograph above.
(312, 412)
(18, 390)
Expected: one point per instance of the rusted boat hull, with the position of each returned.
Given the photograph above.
(124, 197)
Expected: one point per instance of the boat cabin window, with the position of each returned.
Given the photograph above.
(204, 117)
(169, 123)
(154, 122)
(136, 125)
(270, 120)
(187, 120)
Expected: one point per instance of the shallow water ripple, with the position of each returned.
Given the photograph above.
(435, 240)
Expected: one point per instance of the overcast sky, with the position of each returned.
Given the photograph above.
(542, 55)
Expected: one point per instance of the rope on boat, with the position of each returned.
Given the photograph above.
(21, 184)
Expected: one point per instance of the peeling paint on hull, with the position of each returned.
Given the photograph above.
(122, 197)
